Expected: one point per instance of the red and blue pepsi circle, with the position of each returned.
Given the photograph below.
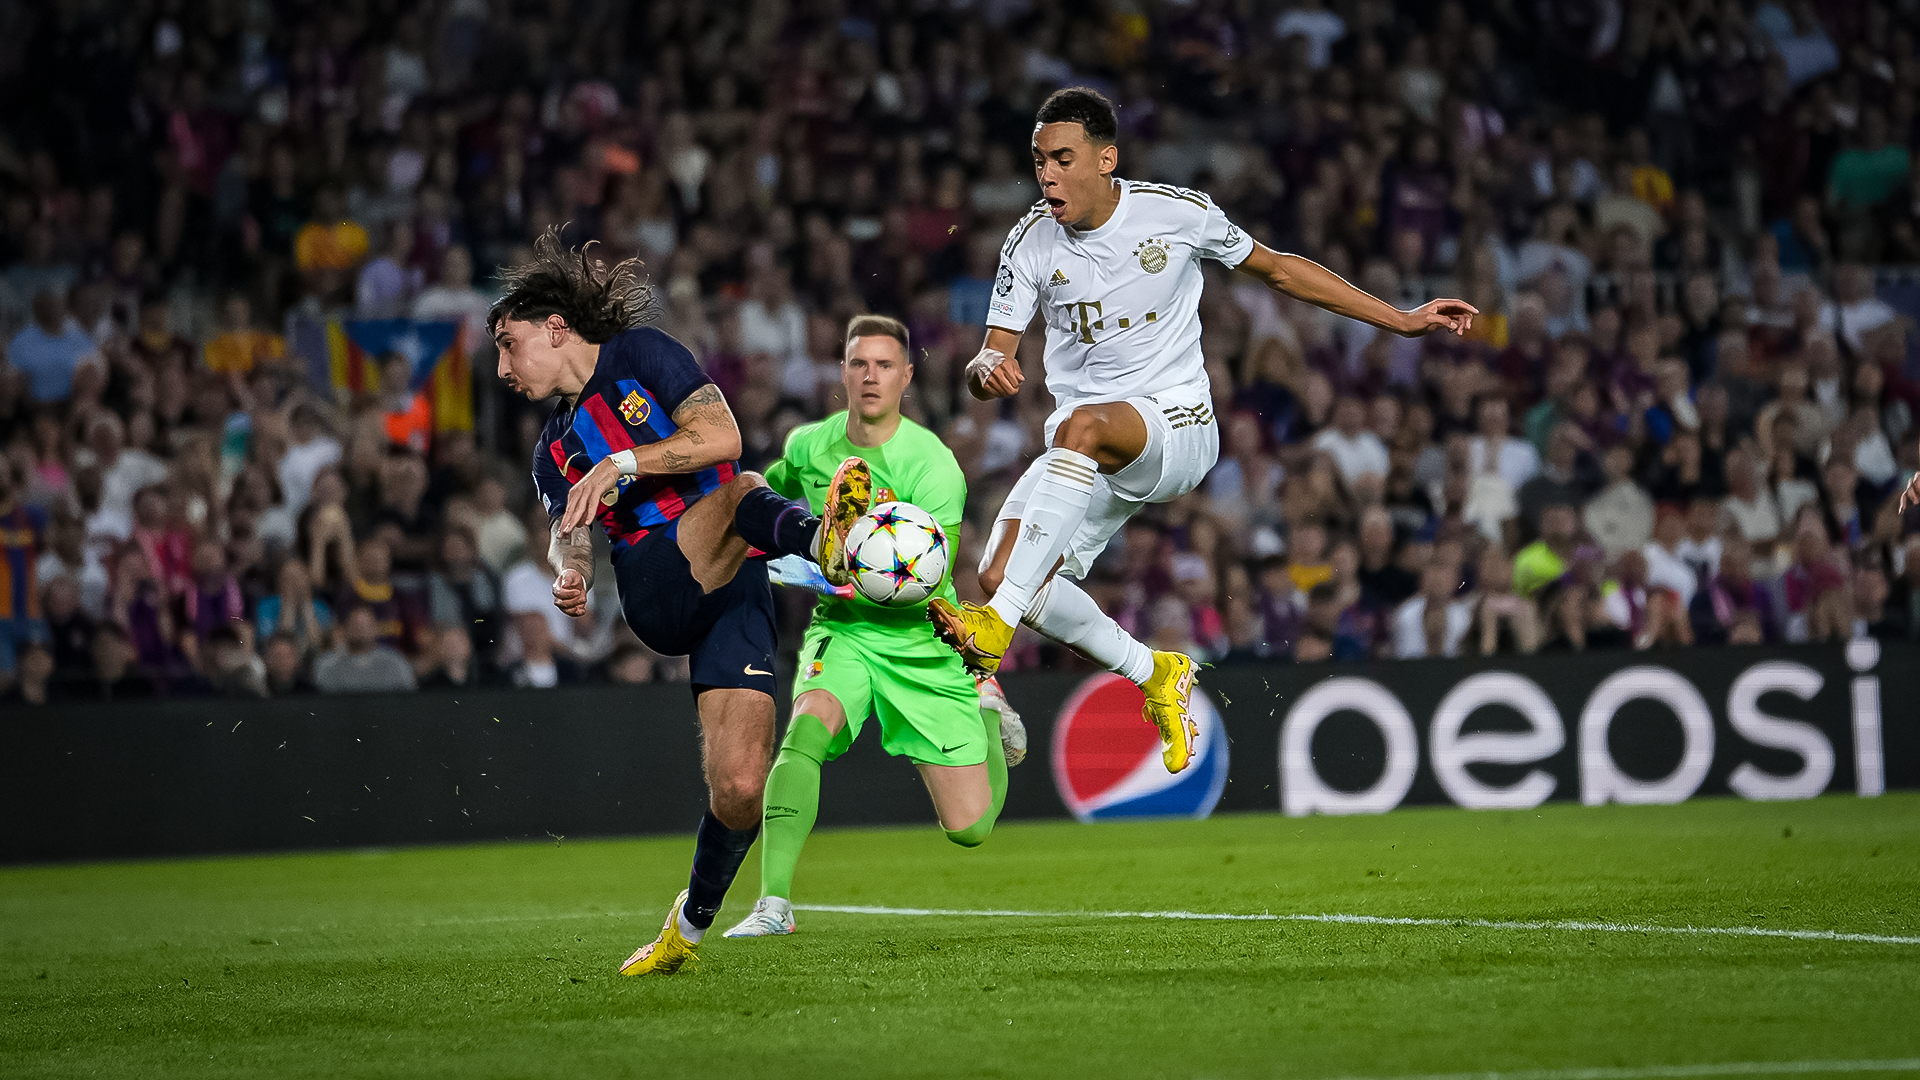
(1106, 759)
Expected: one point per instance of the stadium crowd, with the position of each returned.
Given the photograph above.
(1678, 419)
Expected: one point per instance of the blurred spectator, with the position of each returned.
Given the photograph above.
(454, 299)
(117, 674)
(1434, 622)
(310, 450)
(1818, 607)
(285, 664)
(241, 347)
(69, 629)
(362, 664)
(1744, 608)
(22, 533)
(1493, 449)
(35, 675)
(1749, 507)
(1307, 564)
(1620, 517)
(1544, 562)
(399, 612)
(463, 592)
(453, 667)
(50, 348)
(1384, 583)
(1325, 634)
(387, 283)
(293, 612)
(500, 534)
(1356, 452)
(1507, 622)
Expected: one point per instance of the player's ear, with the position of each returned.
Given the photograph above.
(1109, 159)
(557, 329)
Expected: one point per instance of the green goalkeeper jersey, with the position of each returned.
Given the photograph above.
(914, 466)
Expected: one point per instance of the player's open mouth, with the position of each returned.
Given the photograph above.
(1056, 205)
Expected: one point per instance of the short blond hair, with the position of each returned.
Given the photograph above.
(880, 326)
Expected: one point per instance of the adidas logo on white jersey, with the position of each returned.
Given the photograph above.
(1058, 279)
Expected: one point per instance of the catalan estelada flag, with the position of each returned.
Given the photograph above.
(434, 351)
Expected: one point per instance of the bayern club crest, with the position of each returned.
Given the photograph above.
(1106, 759)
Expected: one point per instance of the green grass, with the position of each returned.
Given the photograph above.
(499, 960)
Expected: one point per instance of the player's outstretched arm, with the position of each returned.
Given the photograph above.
(995, 373)
(708, 436)
(571, 556)
(1304, 279)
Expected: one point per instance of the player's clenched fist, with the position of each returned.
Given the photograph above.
(995, 374)
(570, 592)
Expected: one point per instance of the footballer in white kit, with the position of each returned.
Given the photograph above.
(1112, 267)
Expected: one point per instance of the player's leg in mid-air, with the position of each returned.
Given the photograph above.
(930, 711)
(718, 533)
(1106, 462)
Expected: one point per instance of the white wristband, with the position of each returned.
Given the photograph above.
(626, 463)
(984, 364)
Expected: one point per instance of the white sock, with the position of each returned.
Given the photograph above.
(687, 930)
(1055, 509)
(1064, 612)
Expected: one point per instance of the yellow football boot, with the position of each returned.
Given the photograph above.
(977, 633)
(849, 497)
(1169, 697)
(668, 952)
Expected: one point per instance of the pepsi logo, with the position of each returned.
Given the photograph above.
(1106, 758)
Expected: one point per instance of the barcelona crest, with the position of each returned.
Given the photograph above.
(634, 407)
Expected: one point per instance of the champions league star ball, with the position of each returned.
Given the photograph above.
(898, 554)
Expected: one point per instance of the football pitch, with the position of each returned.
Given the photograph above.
(1564, 943)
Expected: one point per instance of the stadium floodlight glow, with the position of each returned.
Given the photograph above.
(1794, 736)
(1452, 752)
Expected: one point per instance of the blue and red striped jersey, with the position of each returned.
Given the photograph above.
(642, 377)
(22, 530)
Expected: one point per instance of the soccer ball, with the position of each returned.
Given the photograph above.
(897, 553)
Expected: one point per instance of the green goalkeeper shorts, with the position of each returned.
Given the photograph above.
(928, 707)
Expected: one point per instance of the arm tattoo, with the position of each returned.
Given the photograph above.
(675, 461)
(699, 399)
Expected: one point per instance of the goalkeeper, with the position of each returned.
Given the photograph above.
(860, 658)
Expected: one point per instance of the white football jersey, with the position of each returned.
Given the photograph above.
(1121, 302)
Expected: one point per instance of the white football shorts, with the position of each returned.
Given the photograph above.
(1183, 443)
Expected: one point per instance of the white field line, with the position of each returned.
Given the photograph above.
(1658, 1072)
(1572, 925)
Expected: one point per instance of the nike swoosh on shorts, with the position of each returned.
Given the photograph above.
(751, 670)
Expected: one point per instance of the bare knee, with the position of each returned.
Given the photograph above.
(1082, 432)
(736, 800)
(736, 489)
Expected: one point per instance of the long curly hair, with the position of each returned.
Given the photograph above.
(597, 301)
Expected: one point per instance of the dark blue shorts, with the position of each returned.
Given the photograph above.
(727, 634)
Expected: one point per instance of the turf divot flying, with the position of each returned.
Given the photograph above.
(1565, 925)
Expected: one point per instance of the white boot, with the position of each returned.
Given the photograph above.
(772, 915)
